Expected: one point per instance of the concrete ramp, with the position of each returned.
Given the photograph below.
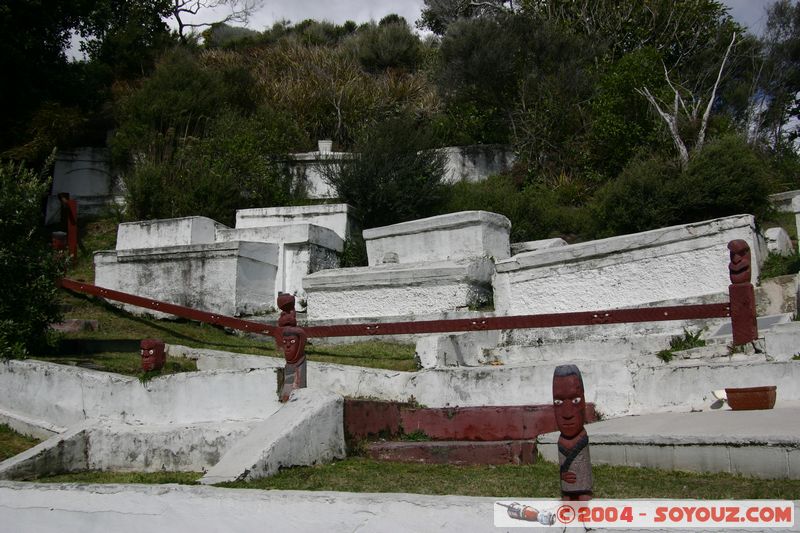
(308, 429)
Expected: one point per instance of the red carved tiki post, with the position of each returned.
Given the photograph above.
(153, 355)
(742, 294)
(569, 404)
(293, 341)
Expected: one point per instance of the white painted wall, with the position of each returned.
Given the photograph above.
(450, 237)
(398, 289)
(672, 263)
(65, 396)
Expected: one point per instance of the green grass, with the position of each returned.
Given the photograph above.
(540, 480)
(679, 343)
(12, 443)
(525, 481)
(777, 265)
(151, 478)
(126, 363)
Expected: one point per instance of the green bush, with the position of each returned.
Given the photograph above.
(27, 264)
(240, 162)
(641, 198)
(535, 212)
(727, 177)
(393, 176)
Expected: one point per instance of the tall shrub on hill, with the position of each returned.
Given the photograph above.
(728, 177)
(393, 176)
(27, 264)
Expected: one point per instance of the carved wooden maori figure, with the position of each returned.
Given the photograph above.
(153, 354)
(293, 342)
(742, 294)
(569, 404)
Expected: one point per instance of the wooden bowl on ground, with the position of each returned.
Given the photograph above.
(750, 398)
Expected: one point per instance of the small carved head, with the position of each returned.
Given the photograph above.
(739, 266)
(293, 340)
(569, 402)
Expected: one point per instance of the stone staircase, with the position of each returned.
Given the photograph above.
(459, 435)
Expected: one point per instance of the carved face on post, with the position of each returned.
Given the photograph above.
(294, 344)
(739, 266)
(153, 356)
(569, 402)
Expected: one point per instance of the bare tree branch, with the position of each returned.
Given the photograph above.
(704, 123)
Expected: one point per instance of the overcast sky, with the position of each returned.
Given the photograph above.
(747, 12)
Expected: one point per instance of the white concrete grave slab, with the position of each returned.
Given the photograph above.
(231, 278)
(302, 249)
(782, 201)
(450, 237)
(778, 242)
(159, 233)
(475, 163)
(675, 263)
(336, 217)
(398, 289)
(85, 174)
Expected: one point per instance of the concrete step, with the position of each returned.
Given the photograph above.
(366, 418)
(455, 452)
(760, 443)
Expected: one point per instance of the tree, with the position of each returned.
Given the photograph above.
(437, 15)
(27, 263)
(183, 10)
(775, 101)
(690, 111)
(393, 175)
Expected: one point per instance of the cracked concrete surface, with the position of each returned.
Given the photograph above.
(68, 508)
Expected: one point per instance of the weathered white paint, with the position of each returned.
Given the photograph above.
(753, 443)
(84, 173)
(231, 278)
(71, 508)
(779, 242)
(777, 295)
(65, 396)
(107, 445)
(462, 163)
(617, 385)
(398, 289)
(335, 217)
(166, 232)
(532, 246)
(674, 263)
(302, 249)
(476, 163)
(782, 201)
(450, 237)
(308, 172)
(781, 341)
(306, 430)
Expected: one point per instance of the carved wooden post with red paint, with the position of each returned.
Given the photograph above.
(293, 341)
(153, 354)
(742, 294)
(569, 405)
(70, 208)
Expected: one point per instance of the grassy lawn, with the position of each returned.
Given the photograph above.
(12, 443)
(359, 474)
